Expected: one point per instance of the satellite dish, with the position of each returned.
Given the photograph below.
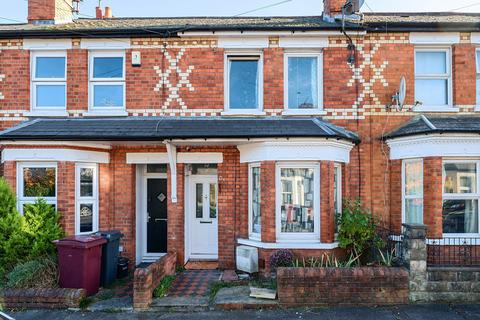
(398, 99)
(353, 6)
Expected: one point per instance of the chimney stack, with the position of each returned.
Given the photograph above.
(50, 11)
(332, 8)
(108, 13)
(98, 13)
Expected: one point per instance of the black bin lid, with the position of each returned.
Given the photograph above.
(111, 235)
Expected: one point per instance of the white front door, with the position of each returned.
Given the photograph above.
(203, 217)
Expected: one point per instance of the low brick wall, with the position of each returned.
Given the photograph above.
(448, 285)
(147, 279)
(59, 298)
(319, 287)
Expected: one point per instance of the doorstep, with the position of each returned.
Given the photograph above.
(238, 298)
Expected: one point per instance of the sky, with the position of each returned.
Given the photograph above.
(16, 10)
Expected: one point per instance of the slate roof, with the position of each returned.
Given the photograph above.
(167, 26)
(424, 125)
(165, 128)
(422, 21)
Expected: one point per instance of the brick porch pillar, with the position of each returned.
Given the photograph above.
(268, 201)
(395, 219)
(327, 209)
(66, 195)
(432, 196)
(176, 215)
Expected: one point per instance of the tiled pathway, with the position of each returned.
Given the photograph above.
(194, 283)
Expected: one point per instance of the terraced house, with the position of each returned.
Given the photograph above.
(201, 134)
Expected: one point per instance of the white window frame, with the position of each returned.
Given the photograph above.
(338, 168)
(477, 67)
(462, 196)
(253, 235)
(243, 55)
(21, 199)
(447, 76)
(297, 237)
(34, 81)
(79, 200)
(411, 197)
(296, 54)
(92, 82)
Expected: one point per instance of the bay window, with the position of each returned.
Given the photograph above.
(478, 76)
(254, 209)
(461, 197)
(49, 81)
(303, 82)
(244, 83)
(412, 190)
(34, 181)
(433, 78)
(86, 199)
(107, 81)
(298, 203)
(337, 193)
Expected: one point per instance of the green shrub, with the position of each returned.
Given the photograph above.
(38, 273)
(163, 287)
(357, 230)
(13, 244)
(41, 226)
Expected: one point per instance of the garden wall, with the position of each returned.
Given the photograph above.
(319, 287)
(59, 298)
(147, 279)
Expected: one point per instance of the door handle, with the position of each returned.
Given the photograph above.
(157, 220)
(206, 222)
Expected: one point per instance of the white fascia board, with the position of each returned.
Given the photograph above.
(105, 44)
(303, 42)
(238, 42)
(98, 145)
(47, 44)
(182, 157)
(475, 38)
(435, 38)
(267, 33)
(325, 150)
(55, 155)
(445, 145)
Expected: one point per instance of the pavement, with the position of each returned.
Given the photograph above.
(410, 312)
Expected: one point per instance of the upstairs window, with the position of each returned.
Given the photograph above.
(49, 81)
(433, 77)
(244, 79)
(303, 90)
(107, 81)
(461, 197)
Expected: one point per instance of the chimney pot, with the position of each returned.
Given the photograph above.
(108, 13)
(98, 13)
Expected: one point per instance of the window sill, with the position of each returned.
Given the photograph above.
(112, 113)
(46, 114)
(288, 245)
(304, 112)
(435, 109)
(243, 112)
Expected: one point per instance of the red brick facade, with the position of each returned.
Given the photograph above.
(370, 175)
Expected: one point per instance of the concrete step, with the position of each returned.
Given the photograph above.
(180, 304)
(238, 298)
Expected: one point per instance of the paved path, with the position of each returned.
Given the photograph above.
(429, 312)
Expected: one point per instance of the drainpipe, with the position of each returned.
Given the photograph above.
(172, 160)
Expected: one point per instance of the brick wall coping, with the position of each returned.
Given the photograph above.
(41, 298)
(454, 269)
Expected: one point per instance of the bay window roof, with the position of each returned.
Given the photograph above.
(165, 128)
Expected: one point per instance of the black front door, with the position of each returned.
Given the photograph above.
(157, 215)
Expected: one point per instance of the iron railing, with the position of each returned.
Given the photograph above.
(393, 244)
(453, 252)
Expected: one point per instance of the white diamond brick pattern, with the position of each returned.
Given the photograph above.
(182, 76)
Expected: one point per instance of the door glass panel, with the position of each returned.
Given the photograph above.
(204, 169)
(213, 200)
(86, 217)
(86, 182)
(156, 168)
(199, 200)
